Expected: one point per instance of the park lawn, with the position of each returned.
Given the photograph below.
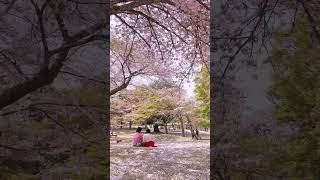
(175, 158)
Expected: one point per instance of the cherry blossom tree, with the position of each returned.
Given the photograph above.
(40, 38)
(129, 60)
(172, 36)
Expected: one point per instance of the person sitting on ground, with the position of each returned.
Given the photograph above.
(137, 137)
(148, 139)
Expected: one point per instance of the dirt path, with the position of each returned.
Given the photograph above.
(175, 158)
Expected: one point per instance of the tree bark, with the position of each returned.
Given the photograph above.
(192, 132)
(32, 166)
(166, 128)
(43, 78)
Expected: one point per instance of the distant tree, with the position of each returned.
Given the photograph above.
(202, 91)
(152, 103)
(158, 109)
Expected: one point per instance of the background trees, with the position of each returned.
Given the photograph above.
(153, 103)
(166, 40)
(202, 90)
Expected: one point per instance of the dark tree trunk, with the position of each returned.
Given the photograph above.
(166, 128)
(193, 135)
(197, 134)
(12, 163)
(182, 128)
(13, 94)
(130, 124)
(156, 128)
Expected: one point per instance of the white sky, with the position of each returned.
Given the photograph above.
(189, 88)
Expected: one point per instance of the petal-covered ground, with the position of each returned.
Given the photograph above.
(176, 158)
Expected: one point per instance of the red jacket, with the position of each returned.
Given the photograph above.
(149, 144)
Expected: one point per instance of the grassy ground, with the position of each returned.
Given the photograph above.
(175, 158)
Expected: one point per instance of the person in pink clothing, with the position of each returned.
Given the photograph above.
(137, 139)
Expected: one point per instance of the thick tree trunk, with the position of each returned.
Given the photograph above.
(18, 91)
